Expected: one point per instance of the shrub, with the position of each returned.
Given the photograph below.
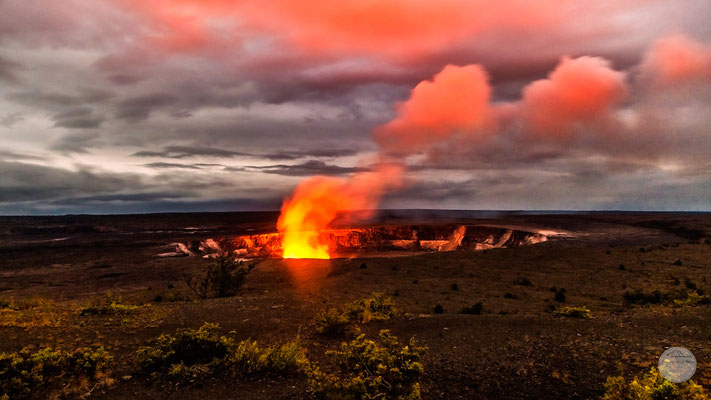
(560, 295)
(112, 308)
(678, 263)
(455, 286)
(191, 353)
(377, 307)
(335, 322)
(473, 310)
(439, 309)
(572, 312)
(371, 370)
(522, 281)
(26, 374)
(187, 347)
(247, 359)
(660, 297)
(651, 386)
(223, 278)
(332, 322)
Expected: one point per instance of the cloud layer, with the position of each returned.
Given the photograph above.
(127, 105)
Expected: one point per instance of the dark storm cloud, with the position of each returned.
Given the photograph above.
(308, 168)
(8, 120)
(123, 198)
(9, 70)
(11, 155)
(29, 182)
(179, 152)
(170, 165)
(78, 118)
(140, 107)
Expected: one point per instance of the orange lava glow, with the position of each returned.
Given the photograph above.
(316, 202)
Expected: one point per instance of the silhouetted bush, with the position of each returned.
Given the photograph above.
(476, 309)
(439, 309)
(522, 281)
(560, 295)
(659, 297)
(223, 278)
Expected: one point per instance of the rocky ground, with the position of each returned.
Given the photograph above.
(516, 349)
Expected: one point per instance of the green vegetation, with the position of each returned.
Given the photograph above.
(651, 386)
(660, 297)
(335, 322)
(572, 312)
(113, 308)
(371, 370)
(195, 352)
(332, 322)
(27, 374)
(223, 278)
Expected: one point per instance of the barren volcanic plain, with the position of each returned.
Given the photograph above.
(516, 345)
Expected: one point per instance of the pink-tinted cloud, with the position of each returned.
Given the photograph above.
(400, 27)
(677, 59)
(455, 103)
(580, 90)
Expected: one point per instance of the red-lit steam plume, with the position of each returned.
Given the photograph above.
(677, 59)
(580, 90)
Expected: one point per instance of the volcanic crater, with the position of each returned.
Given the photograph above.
(388, 241)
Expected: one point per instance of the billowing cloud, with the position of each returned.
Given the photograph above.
(580, 90)
(455, 102)
(677, 59)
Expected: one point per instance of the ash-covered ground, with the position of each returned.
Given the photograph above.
(516, 347)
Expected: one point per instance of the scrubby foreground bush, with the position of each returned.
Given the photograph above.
(371, 370)
(651, 386)
(336, 321)
(194, 352)
(49, 373)
(223, 278)
(676, 298)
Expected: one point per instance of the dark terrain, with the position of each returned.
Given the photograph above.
(516, 349)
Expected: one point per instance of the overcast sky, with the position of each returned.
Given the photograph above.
(114, 106)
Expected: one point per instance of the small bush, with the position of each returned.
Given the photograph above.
(651, 386)
(223, 278)
(476, 309)
(659, 297)
(112, 308)
(455, 286)
(377, 307)
(332, 322)
(335, 322)
(187, 346)
(678, 263)
(560, 295)
(522, 281)
(191, 353)
(248, 359)
(371, 370)
(27, 374)
(690, 284)
(622, 267)
(572, 312)
(438, 309)
(509, 296)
